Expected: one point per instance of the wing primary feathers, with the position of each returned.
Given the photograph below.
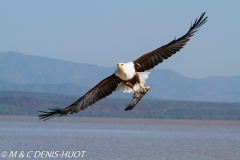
(101, 90)
(48, 115)
(146, 61)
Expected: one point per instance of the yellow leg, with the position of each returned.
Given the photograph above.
(144, 89)
(136, 93)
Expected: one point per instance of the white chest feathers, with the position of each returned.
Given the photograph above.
(125, 71)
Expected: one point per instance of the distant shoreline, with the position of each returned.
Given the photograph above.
(28, 103)
(117, 120)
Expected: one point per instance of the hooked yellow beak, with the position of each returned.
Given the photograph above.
(120, 65)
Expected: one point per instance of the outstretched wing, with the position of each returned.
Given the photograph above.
(153, 58)
(101, 90)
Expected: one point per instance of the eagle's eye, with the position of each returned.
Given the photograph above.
(120, 65)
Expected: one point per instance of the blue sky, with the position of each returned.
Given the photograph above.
(107, 32)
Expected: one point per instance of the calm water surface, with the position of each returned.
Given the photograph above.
(118, 139)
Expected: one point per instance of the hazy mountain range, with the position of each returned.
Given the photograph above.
(20, 72)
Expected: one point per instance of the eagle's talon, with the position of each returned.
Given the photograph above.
(144, 89)
(136, 94)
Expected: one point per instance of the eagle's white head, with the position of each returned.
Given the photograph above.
(120, 65)
(125, 71)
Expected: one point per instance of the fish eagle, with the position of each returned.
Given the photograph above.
(129, 77)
